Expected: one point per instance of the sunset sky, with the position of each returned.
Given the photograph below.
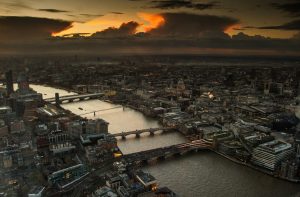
(268, 26)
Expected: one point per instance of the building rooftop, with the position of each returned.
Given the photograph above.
(104, 192)
(145, 178)
(5, 109)
(36, 190)
(276, 146)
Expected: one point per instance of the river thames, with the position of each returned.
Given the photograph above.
(203, 174)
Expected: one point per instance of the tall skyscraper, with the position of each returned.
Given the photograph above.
(9, 82)
(23, 83)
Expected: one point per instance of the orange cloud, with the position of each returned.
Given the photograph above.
(94, 25)
(56, 32)
(231, 30)
(153, 21)
(147, 23)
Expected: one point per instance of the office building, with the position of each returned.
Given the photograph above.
(97, 126)
(270, 154)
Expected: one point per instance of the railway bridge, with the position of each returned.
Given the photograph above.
(165, 152)
(72, 98)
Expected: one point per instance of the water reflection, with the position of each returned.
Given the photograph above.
(122, 120)
(200, 174)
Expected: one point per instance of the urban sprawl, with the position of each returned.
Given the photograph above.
(247, 114)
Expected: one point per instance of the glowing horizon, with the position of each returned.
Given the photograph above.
(147, 22)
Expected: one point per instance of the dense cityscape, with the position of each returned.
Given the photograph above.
(246, 114)
(149, 98)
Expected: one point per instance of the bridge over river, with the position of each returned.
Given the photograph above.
(137, 133)
(71, 98)
(168, 151)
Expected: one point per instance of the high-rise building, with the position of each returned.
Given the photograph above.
(23, 83)
(25, 99)
(97, 126)
(9, 82)
(270, 154)
(57, 102)
(75, 128)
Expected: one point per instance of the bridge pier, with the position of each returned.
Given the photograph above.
(145, 161)
(123, 137)
(177, 154)
(151, 133)
(137, 135)
(166, 156)
(161, 157)
(184, 152)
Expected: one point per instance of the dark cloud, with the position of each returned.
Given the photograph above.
(52, 10)
(175, 4)
(126, 29)
(15, 28)
(293, 9)
(133, 45)
(186, 24)
(75, 35)
(16, 5)
(119, 13)
(82, 18)
(293, 25)
(201, 34)
(243, 36)
(92, 15)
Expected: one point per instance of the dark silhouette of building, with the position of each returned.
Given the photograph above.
(23, 84)
(57, 102)
(9, 82)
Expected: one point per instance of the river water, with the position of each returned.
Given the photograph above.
(203, 174)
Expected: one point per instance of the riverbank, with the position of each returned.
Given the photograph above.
(225, 156)
(270, 173)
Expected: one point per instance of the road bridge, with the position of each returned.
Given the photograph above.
(165, 152)
(137, 133)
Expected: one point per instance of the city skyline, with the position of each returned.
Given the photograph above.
(222, 27)
(138, 98)
(135, 127)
